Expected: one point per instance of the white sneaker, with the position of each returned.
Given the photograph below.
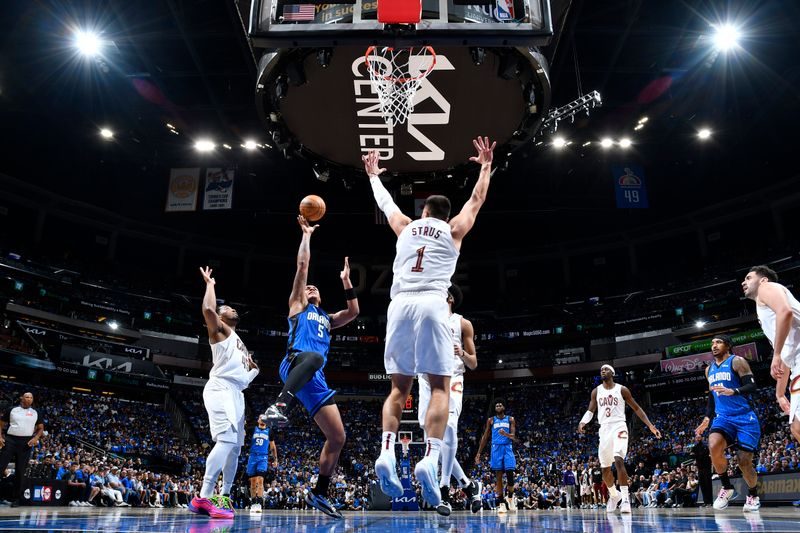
(625, 506)
(513, 504)
(425, 472)
(386, 470)
(501, 508)
(255, 508)
(73, 503)
(725, 495)
(752, 505)
(613, 503)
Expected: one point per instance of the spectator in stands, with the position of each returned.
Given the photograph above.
(76, 489)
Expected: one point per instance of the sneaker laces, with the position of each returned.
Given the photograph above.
(221, 501)
(723, 493)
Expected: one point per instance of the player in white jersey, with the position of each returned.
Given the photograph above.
(232, 372)
(464, 357)
(779, 314)
(608, 401)
(418, 340)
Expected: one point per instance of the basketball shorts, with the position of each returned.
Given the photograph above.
(225, 406)
(257, 465)
(418, 337)
(586, 490)
(794, 386)
(315, 394)
(743, 430)
(503, 458)
(456, 399)
(613, 443)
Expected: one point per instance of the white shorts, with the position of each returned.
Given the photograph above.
(456, 400)
(225, 406)
(418, 337)
(613, 443)
(586, 490)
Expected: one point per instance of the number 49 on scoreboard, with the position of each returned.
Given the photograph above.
(629, 186)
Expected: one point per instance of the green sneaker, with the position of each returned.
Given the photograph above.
(222, 501)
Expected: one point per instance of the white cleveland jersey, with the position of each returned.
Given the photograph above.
(767, 318)
(426, 257)
(610, 405)
(455, 327)
(231, 362)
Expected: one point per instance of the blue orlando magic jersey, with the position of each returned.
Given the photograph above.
(309, 331)
(724, 374)
(260, 442)
(497, 425)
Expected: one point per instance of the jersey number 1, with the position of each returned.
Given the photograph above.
(418, 267)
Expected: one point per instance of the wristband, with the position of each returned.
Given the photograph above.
(736, 392)
(350, 294)
(587, 417)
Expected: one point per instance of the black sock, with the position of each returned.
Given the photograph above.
(726, 481)
(305, 366)
(322, 486)
(753, 491)
(468, 488)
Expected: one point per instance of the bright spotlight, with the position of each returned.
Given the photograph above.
(559, 142)
(250, 145)
(704, 134)
(643, 120)
(699, 324)
(113, 325)
(87, 43)
(500, 361)
(606, 142)
(726, 37)
(106, 133)
(625, 143)
(204, 145)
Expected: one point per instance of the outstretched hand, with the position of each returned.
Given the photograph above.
(485, 151)
(654, 430)
(305, 226)
(372, 163)
(206, 273)
(345, 273)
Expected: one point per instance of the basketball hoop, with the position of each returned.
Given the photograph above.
(404, 444)
(396, 74)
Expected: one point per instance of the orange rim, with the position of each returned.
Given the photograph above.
(404, 79)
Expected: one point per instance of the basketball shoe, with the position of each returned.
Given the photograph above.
(274, 415)
(207, 506)
(425, 472)
(473, 492)
(321, 503)
(625, 506)
(752, 504)
(386, 470)
(613, 502)
(725, 495)
(444, 508)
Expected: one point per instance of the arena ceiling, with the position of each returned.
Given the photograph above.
(189, 64)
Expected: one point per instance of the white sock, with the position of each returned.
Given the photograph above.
(387, 443)
(624, 490)
(448, 455)
(612, 491)
(434, 447)
(229, 470)
(461, 477)
(214, 464)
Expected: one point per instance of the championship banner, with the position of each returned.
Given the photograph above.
(182, 193)
(691, 363)
(218, 188)
(629, 187)
(705, 345)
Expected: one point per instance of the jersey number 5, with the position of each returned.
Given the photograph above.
(418, 267)
(321, 331)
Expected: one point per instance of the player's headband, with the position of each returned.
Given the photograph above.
(611, 368)
(725, 339)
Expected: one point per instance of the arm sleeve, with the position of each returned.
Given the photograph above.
(382, 197)
(749, 385)
(711, 407)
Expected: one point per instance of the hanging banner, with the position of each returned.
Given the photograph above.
(629, 186)
(219, 188)
(679, 350)
(692, 363)
(182, 193)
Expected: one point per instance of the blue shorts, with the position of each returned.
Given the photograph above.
(742, 430)
(314, 394)
(257, 464)
(503, 457)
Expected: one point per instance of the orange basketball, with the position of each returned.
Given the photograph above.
(312, 207)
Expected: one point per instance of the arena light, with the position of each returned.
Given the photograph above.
(704, 134)
(106, 133)
(87, 43)
(638, 127)
(559, 142)
(227, 146)
(699, 324)
(625, 142)
(643, 120)
(250, 144)
(726, 37)
(499, 361)
(204, 145)
(606, 142)
(113, 325)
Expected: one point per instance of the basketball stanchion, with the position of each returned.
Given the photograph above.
(408, 501)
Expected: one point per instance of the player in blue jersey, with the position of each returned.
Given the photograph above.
(261, 447)
(733, 420)
(301, 369)
(503, 430)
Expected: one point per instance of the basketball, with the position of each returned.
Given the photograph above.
(312, 207)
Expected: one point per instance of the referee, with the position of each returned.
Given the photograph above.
(23, 428)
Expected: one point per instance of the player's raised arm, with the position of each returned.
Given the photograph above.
(484, 440)
(628, 397)
(218, 331)
(298, 300)
(467, 351)
(464, 220)
(397, 220)
(590, 412)
(340, 318)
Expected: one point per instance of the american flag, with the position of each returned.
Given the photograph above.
(298, 12)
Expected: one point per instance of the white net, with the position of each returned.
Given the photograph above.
(396, 74)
